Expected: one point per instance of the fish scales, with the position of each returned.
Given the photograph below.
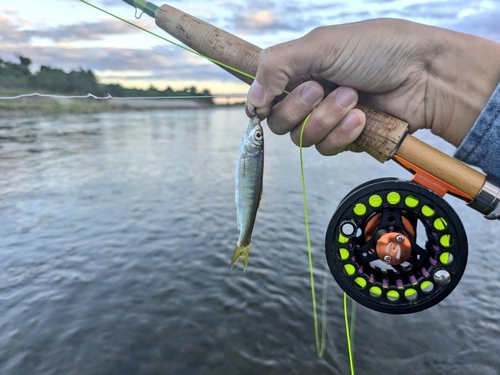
(248, 183)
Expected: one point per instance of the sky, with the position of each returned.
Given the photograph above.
(69, 34)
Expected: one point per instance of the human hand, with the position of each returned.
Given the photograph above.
(430, 77)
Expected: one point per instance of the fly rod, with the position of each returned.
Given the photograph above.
(384, 137)
(372, 246)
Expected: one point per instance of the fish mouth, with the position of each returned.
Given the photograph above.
(254, 121)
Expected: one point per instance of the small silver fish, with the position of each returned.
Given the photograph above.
(248, 178)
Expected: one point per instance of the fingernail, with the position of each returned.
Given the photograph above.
(310, 95)
(350, 122)
(345, 97)
(250, 110)
(255, 93)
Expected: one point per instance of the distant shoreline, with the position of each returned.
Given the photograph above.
(50, 106)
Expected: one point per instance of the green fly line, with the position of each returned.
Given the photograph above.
(349, 333)
(320, 343)
(320, 346)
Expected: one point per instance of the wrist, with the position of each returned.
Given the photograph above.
(462, 76)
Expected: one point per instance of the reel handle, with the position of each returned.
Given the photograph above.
(383, 136)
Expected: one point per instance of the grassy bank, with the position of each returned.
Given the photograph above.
(48, 106)
(40, 105)
(31, 106)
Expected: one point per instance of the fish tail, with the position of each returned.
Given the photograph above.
(241, 252)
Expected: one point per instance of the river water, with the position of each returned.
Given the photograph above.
(116, 233)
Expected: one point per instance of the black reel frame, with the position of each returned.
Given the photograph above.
(436, 236)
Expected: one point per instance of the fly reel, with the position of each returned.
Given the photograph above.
(395, 246)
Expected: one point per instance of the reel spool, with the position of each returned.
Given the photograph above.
(395, 246)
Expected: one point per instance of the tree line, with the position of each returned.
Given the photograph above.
(18, 77)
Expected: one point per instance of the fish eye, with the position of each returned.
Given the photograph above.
(258, 135)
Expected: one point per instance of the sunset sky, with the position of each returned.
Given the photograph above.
(69, 34)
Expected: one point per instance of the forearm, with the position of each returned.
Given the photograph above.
(462, 77)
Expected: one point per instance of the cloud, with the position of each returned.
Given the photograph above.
(477, 18)
(484, 24)
(85, 31)
(269, 19)
(261, 22)
(162, 63)
(440, 10)
(261, 18)
(9, 31)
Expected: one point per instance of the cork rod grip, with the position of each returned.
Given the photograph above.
(383, 136)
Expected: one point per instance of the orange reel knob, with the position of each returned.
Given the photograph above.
(393, 248)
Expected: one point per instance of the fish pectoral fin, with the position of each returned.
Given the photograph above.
(241, 252)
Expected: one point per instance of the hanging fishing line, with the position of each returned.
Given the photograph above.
(320, 343)
(348, 334)
(320, 346)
